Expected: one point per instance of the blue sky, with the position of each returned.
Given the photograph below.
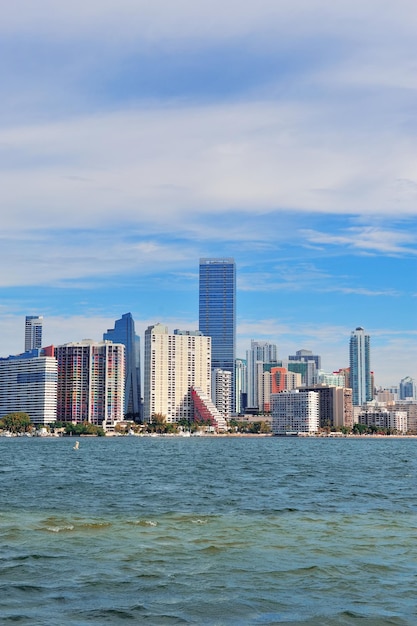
(137, 137)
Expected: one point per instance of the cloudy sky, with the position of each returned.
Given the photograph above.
(137, 136)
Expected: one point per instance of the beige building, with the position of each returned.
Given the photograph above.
(174, 363)
(410, 407)
(384, 418)
(335, 403)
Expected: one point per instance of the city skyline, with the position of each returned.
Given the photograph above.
(138, 138)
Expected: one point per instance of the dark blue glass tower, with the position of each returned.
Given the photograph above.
(217, 307)
(124, 332)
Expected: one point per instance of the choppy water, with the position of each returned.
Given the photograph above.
(208, 531)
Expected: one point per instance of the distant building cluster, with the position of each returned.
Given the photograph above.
(194, 376)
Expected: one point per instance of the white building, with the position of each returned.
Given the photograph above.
(91, 377)
(384, 418)
(33, 332)
(326, 378)
(173, 364)
(295, 412)
(221, 391)
(240, 385)
(29, 384)
(258, 386)
(360, 367)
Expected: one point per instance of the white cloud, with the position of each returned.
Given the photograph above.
(168, 163)
(369, 238)
(119, 20)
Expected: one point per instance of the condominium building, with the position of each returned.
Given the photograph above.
(28, 383)
(205, 413)
(241, 396)
(333, 378)
(33, 332)
(261, 354)
(360, 367)
(408, 389)
(221, 391)
(124, 332)
(295, 412)
(173, 364)
(335, 405)
(384, 418)
(283, 380)
(217, 312)
(91, 377)
(305, 363)
(410, 407)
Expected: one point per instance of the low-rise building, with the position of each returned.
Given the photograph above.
(384, 418)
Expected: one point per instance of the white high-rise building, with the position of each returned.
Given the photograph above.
(221, 392)
(91, 379)
(33, 332)
(173, 364)
(295, 412)
(29, 385)
(360, 367)
(258, 386)
(240, 385)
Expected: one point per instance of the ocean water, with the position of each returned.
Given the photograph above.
(216, 531)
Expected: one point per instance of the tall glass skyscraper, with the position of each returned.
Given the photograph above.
(360, 367)
(124, 332)
(217, 312)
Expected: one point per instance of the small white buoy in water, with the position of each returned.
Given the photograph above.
(77, 445)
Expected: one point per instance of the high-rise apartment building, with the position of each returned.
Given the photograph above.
(408, 389)
(241, 396)
(173, 364)
(124, 332)
(295, 412)
(217, 312)
(360, 367)
(28, 383)
(283, 380)
(261, 355)
(335, 404)
(91, 380)
(307, 364)
(33, 332)
(221, 391)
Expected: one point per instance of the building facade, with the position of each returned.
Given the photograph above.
(124, 332)
(283, 380)
(360, 367)
(28, 383)
(221, 391)
(335, 406)
(408, 389)
(295, 412)
(173, 364)
(384, 418)
(261, 355)
(241, 396)
(33, 332)
(312, 365)
(217, 312)
(91, 381)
